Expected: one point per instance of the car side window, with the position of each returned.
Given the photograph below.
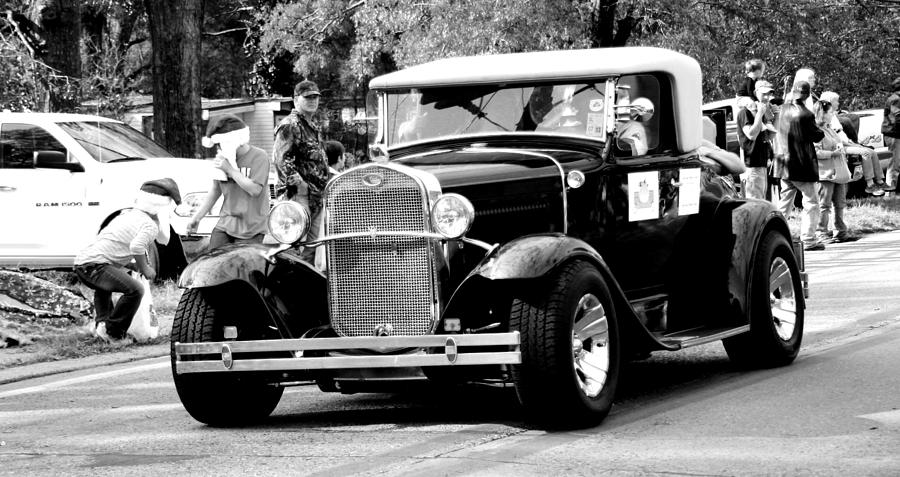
(21, 141)
(638, 126)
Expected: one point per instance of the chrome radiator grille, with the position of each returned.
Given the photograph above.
(378, 283)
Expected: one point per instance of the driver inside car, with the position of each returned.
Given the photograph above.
(632, 134)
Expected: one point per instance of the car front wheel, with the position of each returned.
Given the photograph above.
(570, 349)
(217, 399)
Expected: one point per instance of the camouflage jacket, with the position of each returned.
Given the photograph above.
(298, 151)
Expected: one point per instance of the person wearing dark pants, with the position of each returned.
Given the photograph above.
(121, 245)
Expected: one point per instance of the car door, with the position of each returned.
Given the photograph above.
(651, 196)
(39, 206)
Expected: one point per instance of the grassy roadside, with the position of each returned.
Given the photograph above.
(863, 216)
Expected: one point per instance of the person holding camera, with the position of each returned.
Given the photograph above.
(755, 128)
(798, 134)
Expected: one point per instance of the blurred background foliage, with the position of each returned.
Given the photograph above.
(101, 55)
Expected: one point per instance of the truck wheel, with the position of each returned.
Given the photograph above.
(217, 399)
(776, 309)
(570, 349)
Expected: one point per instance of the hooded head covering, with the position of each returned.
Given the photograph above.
(228, 131)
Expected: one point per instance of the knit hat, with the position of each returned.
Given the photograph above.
(226, 128)
(163, 187)
(895, 85)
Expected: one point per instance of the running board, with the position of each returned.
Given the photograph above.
(699, 336)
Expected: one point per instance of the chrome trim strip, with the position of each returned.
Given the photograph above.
(381, 233)
(352, 342)
(711, 338)
(349, 362)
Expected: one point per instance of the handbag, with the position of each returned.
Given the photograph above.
(841, 174)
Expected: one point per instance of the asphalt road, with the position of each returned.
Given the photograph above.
(835, 411)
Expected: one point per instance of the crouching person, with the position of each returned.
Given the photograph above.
(121, 245)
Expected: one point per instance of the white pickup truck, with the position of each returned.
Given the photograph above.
(64, 176)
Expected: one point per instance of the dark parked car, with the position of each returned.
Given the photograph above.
(532, 220)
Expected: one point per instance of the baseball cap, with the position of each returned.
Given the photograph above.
(763, 86)
(306, 89)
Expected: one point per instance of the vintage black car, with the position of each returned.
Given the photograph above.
(530, 220)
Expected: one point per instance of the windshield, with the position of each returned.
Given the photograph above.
(419, 114)
(110, 141)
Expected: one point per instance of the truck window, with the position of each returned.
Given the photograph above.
(21, 141)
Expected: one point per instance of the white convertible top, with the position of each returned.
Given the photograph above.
(552, 66)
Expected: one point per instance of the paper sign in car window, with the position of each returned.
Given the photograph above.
(595, 124)
(643, 196)
(689, 191)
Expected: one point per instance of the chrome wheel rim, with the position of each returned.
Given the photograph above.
(782, 298)
(590, 345)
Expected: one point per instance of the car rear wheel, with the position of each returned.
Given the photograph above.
(217, 399)
(570, 349)
(776, 309)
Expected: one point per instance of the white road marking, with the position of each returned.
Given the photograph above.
(887, 418)
(83, 379)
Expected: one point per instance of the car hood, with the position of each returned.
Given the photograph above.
(191, 175)
(465, 166)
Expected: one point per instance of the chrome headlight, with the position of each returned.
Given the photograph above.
(452, 215)
(288, 221)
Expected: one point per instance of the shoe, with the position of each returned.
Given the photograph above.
(840, 238)
(828, 240)
(875, 190)
(888, 188)
(100, 332)
(810, 247)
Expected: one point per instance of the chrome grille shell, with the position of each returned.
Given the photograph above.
(384, 283)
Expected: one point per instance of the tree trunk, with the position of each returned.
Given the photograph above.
(60, 21)
(603, 21)
(175, 34)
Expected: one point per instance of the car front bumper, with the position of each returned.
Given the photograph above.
(430, 350)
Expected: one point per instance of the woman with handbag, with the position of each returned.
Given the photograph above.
(833, 177)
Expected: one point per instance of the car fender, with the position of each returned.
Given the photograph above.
(224, 264)
(535, 256)
(761, 217)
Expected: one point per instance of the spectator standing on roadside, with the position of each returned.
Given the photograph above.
(808, 75)
(243, 185)
(300, 158)
(890, 127)
(833, 177)
(872, 172)
(122, 245)
(755, 127)
(801, 170)
(754, 70)
(334, 151)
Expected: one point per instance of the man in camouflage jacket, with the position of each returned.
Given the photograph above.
(300, 158)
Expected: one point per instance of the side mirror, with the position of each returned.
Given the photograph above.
(55, 160)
